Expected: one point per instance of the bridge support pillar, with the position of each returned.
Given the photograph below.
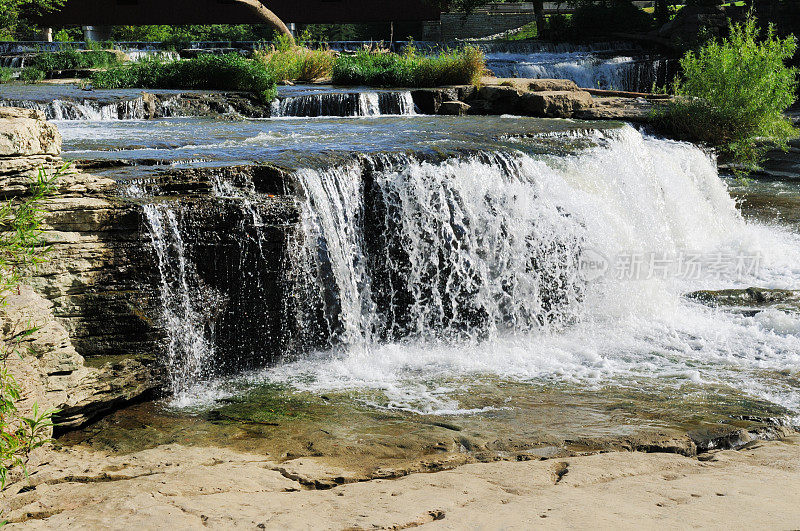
(97, 33)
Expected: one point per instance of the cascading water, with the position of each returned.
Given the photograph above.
(412, 275)
(477, 267)
(588, 69)
(344, 104)
(184, 303)
(131, 109)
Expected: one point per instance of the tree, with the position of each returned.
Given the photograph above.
(268, 16)
(14, 14)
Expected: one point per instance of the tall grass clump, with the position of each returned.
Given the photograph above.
(73, 60)
(214, 72)
(290, 62)
(733, 95)
(20, 250)
(410, 69)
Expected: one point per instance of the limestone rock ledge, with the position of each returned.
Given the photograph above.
(94, 346)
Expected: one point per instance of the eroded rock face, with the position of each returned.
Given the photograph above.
(23, 132)
(95, 344)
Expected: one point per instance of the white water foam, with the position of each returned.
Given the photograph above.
(632, 194)
(586, 69)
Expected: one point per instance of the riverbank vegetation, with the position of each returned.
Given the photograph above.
(43, 65)
(20, 251)
(410, 69)
(733, 94)
(290, 62)
(215, 72)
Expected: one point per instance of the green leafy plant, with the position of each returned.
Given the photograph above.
(73, 60)
(410, 69)
(5, 74)
(20, 251)
(222, 72)
(733, 95)
(30, 74)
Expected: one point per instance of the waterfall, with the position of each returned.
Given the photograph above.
(185, 305)
(403, 272)
(132, 109)
(344, 104)
(587, 69)
(459, 249)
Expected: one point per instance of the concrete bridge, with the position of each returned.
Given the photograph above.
(180, 12)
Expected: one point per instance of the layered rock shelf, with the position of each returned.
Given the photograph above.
(94, 344)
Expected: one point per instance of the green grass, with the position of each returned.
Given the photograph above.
(73, 60)
(288, 62)
(733, 95)
(214, 72)
(410, 69)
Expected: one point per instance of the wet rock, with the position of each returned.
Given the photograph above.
(745, 297)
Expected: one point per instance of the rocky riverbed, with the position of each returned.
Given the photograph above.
(258, 414)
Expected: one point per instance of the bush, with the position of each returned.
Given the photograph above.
(221, 72)
(30, 74)
(734, 94)
(20, 249)
(455, 67)
(5, 74)
(73, 60)
(288, 62)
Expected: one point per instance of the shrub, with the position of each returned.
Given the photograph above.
(5, 74)
(734, 93)
(454, 67)
(20, 249)
(288, 62)
(31, 74)
(222, 72)
(73, 60)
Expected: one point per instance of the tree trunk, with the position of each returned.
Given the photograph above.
(268, 16)
(662, 12)
(538, 11)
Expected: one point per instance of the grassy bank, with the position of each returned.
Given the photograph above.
(410, 69)
(223, 72)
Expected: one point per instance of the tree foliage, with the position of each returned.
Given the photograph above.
(14, 15)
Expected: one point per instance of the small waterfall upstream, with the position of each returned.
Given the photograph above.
(344, 104)
(637, 73)
(87, 109)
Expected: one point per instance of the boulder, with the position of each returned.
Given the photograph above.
(530, 84)
(24, 132)
(555, 103)
(454, 108)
